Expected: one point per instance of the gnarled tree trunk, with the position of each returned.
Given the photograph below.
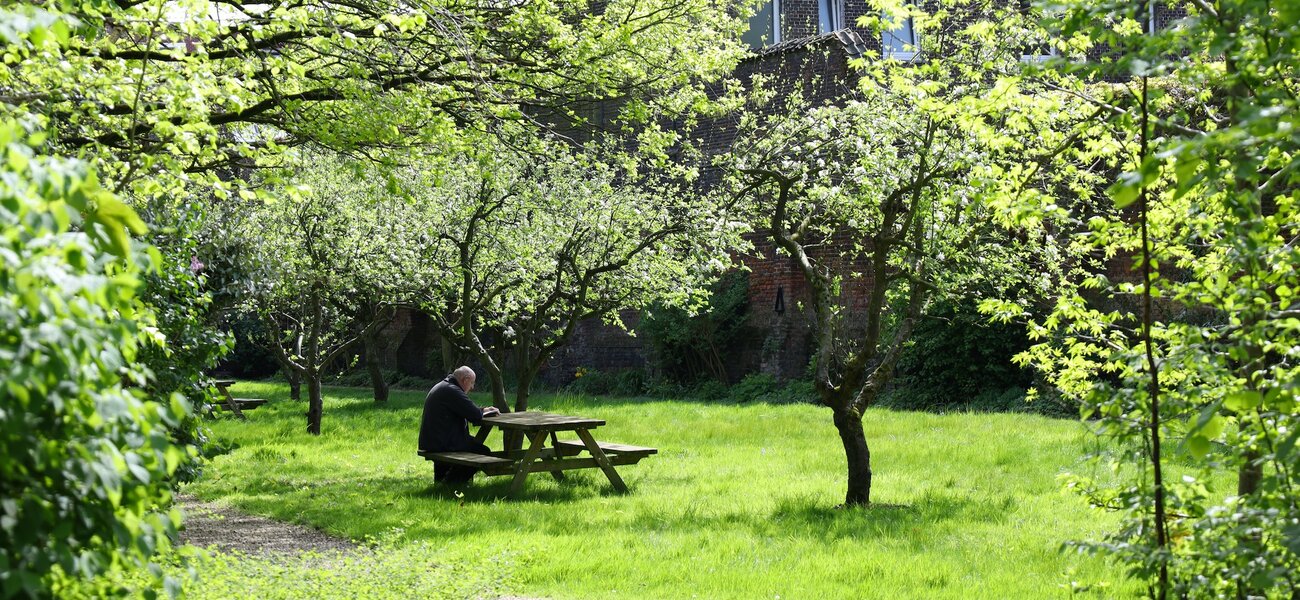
(371, 349)
(849, 424)
(315, 405)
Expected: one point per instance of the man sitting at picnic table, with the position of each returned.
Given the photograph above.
(448, 412)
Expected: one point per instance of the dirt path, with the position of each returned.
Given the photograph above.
(209, 524)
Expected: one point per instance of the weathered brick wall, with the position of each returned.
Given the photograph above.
(596, 345)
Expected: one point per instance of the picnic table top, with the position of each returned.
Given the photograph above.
(541, 421)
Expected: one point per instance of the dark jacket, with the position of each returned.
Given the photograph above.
(447, 414)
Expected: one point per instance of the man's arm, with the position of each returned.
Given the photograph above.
(466, 409)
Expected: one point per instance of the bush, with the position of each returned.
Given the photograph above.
(87, 457)
(361, 377)
(629, 382)
(752, 387)
(958, 360)
(247, 358)
(176, 294)
(687, 348)
(411, 382)
(711, 390)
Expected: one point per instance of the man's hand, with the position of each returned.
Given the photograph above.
(491, 411)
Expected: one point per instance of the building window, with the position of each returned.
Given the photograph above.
(830, 15)
(901, 42)
(1038, 53)
(764, 26)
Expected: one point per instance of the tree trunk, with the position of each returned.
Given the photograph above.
(849, 424)
(526, 377)
(450, 357)
(371, 350)
(315, 407)
(1250, 474)
(295, 383)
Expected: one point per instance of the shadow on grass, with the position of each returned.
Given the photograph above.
(933, 509)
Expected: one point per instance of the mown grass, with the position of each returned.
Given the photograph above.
(740, 502)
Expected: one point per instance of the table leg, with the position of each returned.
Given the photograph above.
(602, 460)
(534, 449)
(230, 402)
(483, 431)
(559, 476)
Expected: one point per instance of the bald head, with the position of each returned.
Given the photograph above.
(464, 377)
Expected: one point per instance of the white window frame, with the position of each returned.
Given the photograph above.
(776, 26)
(836, 16)
(903, 55)
(1052, 52)
(776, 22)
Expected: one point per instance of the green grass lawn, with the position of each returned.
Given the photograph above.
(739, 503)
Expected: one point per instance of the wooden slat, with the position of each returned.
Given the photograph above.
(468, 459)
(570, 447)
(536, 443)
(530, 421)
(568, 464)
(602, 459)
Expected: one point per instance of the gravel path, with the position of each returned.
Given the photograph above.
(209, 524)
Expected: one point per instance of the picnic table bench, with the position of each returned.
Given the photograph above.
(560, 455)
(232, 404)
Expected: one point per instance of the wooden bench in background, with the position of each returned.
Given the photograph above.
(232, 404)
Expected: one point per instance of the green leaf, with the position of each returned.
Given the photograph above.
(1243, 400)
(1124, 192)
(1198, 445)
(1287, 445)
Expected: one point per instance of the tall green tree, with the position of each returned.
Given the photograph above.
(331, 263)
(1193, 350)
(528, 246)
(885, 197)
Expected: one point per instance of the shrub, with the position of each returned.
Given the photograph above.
(87, 456)
(411, 382)
(752, 387)
(686, 348)
(247, 358)
(591, 382)
(958, 360)
(711, 390)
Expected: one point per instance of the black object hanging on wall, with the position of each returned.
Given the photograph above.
(780, 300)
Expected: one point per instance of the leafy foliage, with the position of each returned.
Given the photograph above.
(163, 94)
(1191, 347)
(958, 360)
(686, 347)
(87, 455)
(522, 247)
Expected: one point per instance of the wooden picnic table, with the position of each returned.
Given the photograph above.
(560, 455)
(232, 404)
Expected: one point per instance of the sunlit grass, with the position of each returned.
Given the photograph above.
(739, 503)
